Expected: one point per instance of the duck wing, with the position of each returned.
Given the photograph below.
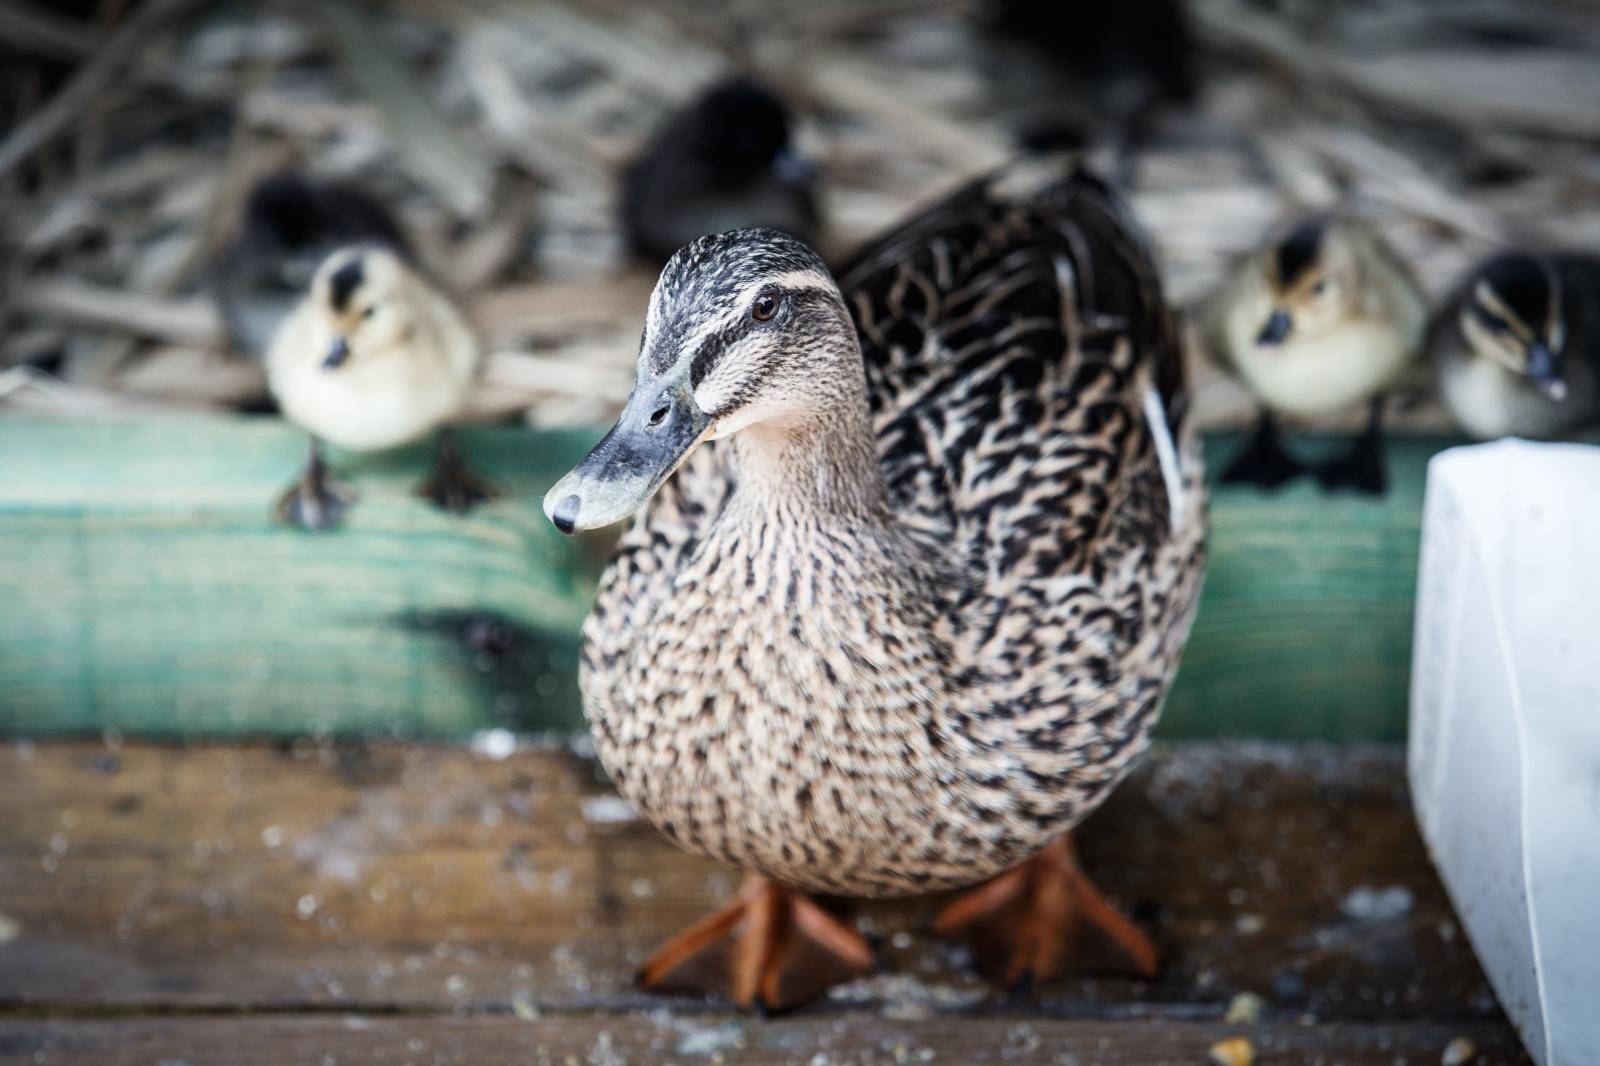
(1025, 375)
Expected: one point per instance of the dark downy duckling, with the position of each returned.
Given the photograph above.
(1071, 74)
(1518, 346)
(291, 225)
(1322, 319)
(723, 162)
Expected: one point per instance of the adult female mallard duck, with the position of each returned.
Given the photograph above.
(913, 615)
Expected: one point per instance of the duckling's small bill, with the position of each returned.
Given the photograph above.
(660, 425)
(1544, 372)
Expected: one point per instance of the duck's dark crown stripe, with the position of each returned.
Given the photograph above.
(1299, 249)
(344, 282)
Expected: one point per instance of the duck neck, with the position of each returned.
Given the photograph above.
(822, 465)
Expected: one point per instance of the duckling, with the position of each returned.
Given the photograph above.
(374, 357)
(1518, 346)
(916, 554)
(1324, 318)
(724, 161)
(291, 225)
(1071, 74)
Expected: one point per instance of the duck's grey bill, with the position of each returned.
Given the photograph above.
(656, 431)
(1546, 375)
(1276, 330)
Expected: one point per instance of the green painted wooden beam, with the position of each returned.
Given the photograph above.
(147, 589)
(1304, 629)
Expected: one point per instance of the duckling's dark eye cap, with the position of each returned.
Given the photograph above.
(344, 282)
(738, 120)
(1298, 250)
(1522, 283)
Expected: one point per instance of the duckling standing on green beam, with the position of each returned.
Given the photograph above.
(914, 613)
(724, 161)
(374, 357)
(1323, 319)
(1517, 346)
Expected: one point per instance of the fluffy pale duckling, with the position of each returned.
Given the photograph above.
(374, 357)
(1324, 318)
(291, 225)
(1518, 346)
(724, 161)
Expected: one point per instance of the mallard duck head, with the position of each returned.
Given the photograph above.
(1511, 315)
(1312, 276)
(360, 294)
(744, 328)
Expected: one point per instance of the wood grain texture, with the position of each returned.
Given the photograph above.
(392, 877)
(1304, 628)
(354, 1039)
(150, 591)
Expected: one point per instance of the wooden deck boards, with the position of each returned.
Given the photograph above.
(845, 1040)
(268, 901)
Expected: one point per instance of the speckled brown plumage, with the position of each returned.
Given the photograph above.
(904, 641)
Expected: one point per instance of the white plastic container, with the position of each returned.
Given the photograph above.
(1505, 725)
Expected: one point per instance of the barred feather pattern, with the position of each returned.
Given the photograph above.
(919, 696)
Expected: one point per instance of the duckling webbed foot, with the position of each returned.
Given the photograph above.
(1028, 925)
(1361, 468)
(1264, 461)
(452, 487)
(316, 502)
(787, 950)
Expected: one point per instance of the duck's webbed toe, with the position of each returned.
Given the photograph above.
(785, 951)
(452, 486)
(1034, 923)
(1264, 461)
(1361, 471)
(316, 502)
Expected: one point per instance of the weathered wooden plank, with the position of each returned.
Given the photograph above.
(669, 1039)
(1304, 628)
(152, 592)
(150, 589)
(421, 877)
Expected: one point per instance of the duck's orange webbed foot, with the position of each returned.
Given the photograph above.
(1027, 924)
(787, 950)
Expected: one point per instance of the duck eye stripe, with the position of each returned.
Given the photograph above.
(704, 361)
(1489, 319)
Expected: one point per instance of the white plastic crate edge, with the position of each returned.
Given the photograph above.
(1505, 725)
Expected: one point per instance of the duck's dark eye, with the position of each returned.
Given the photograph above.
(369, 312)
(659, 415)
(1319, 288)
(764, 308)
